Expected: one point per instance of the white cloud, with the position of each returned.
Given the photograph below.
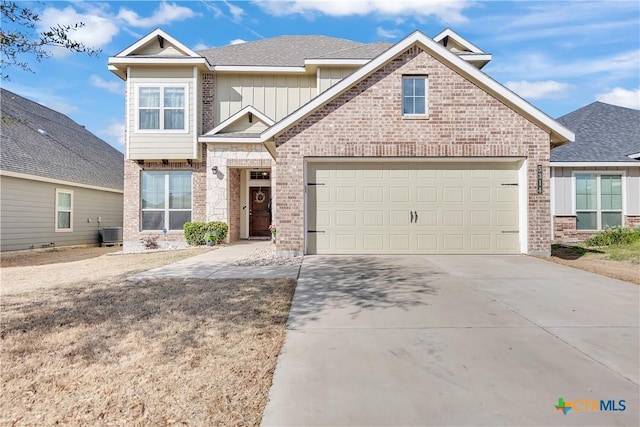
(541, 66)
(201, 46)
(236, 12)
(111, 86)
(539, 90)
(164, 14)
(622, 97)
(448, 11)
(387, 34)
(97, 32)
(237, 41)
(115, 129)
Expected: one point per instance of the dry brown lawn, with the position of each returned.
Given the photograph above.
(107, 351)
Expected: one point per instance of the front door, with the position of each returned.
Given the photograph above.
(259, 213)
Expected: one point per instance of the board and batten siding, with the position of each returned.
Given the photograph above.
(161, 145)
(329, 76)
(276, 96)
(28, 214)
(563, 188)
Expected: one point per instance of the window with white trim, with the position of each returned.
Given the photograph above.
(598, 201)
(414, 95)
(64, 210)
(162, 108)
(165, 200)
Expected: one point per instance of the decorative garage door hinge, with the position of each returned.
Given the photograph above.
(510, 231)
(516, 184)
(315, 231)
(315, 183)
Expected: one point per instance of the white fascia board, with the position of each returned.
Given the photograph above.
(154, 34)
(256, 69)
(336, 61)
(475, 56)
(246, 110)
(222, 140)
(558, 133)
(593, 164)
(448, 32)
(57, 181)
(131, 60)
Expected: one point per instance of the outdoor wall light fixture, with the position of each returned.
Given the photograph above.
(214, 170)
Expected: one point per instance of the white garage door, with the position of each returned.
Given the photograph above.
(404, 208)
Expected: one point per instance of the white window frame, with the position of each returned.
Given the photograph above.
(166, 209)
(162, 87)
(426, 96)
(57, 210)
(598, 174)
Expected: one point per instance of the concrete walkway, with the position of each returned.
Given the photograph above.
(455, 340)
(217, 264)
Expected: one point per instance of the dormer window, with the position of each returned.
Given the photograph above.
(414, 96)
(162, 108)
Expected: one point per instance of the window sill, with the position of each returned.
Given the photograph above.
(64, 230)
(415, 117)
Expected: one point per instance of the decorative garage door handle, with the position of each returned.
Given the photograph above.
(416, 214)
(411, 213)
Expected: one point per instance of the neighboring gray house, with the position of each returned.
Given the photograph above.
(58, 182)
(595, 181)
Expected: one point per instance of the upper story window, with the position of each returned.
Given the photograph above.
(414, 95)
(162, 108)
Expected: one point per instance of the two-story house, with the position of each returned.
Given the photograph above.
(345, 147)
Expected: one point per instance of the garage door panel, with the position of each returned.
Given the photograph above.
(366, 208)
(399, 194)
(398, 242)
(373, 218)
(373, 194)
(399, 217)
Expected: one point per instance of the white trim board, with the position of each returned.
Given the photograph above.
(593, 164)
(56, 181)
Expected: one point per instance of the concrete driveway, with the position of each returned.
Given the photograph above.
(455, 340)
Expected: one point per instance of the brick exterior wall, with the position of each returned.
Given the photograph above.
(132, 177)
(208, 102)
(366, 121)
(632, 221)
(565, 231)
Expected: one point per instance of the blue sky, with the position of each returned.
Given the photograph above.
(558, 55)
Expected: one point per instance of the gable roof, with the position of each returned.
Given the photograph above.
(246, 111)
(558, 133)
(39, 141)
(604, 133)
(283, 51)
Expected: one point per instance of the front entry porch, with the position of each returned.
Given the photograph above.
(250, 203)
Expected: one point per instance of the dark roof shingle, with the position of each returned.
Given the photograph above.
(604, 133)
(39, 141)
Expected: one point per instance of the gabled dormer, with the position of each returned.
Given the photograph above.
(162, 103)
(156, 47)
(462, 47)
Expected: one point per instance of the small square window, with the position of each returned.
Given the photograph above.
(414, 95)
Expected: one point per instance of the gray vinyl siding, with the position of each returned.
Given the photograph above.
(563, 187)
(28, 214)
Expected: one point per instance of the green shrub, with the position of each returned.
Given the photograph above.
(615, 236)
(194, 232)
